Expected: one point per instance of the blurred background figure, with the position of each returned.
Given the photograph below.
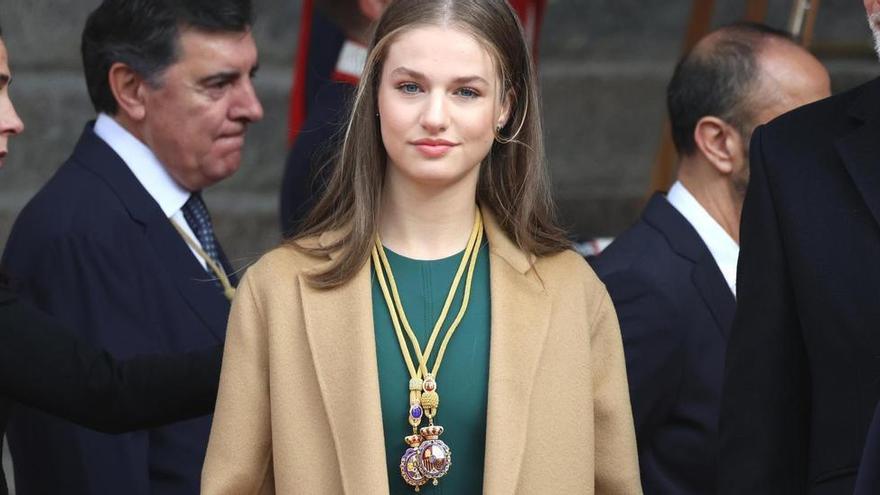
(672, 276)
(330, 57)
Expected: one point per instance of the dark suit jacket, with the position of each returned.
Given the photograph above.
(44, 366)
(93, 249)
(868, 480)
(675, 310)
(803, 374)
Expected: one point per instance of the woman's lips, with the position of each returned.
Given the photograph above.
(431, 148)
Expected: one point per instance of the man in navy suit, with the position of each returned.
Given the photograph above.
(802, 375)
(672, 276)
(119, 244)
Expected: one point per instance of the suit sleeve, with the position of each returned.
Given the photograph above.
(765, 404)
(43, 365)
(617, 467)
(239, 457)
(652, 341)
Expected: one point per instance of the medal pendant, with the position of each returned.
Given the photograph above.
(409, 463)
(434, 456)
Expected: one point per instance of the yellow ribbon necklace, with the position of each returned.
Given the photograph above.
(428, 457)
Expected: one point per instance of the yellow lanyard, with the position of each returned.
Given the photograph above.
(418, 378)
(228, 289)
(398, 315)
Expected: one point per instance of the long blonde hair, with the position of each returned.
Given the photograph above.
(513, 180)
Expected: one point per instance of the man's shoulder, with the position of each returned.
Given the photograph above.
(77, 189)
(643, 248)
(74, 201)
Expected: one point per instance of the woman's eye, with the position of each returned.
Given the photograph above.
(468, 93)
(409, 88)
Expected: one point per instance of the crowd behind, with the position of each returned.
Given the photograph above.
(725, 343)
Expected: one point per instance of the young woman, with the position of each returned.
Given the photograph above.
(430, 330)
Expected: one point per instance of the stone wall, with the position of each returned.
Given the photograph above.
(604, 66)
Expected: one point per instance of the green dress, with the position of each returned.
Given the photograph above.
(463, 379)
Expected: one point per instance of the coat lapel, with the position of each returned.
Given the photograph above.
(716, 294)
(344, 354)
(195, 285)
(686, 242)
(520, 320)
(190, 279)
(860, 150)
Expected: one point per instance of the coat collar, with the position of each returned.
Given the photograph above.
(860, 150)
(190, 279)
(344, 356)
(686, 242)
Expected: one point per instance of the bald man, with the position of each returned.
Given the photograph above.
(672, 276)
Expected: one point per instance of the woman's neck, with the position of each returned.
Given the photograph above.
(427, 225)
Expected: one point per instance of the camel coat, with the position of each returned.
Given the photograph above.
(298, 410)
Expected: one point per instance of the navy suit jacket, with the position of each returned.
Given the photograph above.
(803, 374)
(675, 310)
(94, 250)
(868, 480)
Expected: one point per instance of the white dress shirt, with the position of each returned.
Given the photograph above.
(723, 248)
(143, 163)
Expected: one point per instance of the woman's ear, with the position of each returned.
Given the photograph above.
(719, 143)
(506, 109)
(127, 87)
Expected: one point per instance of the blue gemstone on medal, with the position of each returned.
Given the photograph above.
(415, 411)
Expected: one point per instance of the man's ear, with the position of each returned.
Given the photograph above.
(372, 9)
(128, 89)
(719, 143)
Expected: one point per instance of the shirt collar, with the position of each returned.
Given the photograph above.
(143, 163)
(351, 61)
(722, 247)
